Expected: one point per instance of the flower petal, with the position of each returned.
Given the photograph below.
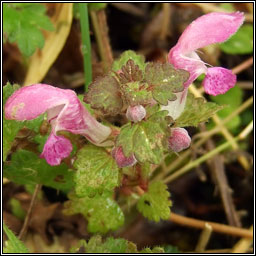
(218, 80)
(65, 111)
(179, 139)
(208, 29)
(55, 149)
(31, 101)
(176, 107)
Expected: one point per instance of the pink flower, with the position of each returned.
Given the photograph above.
(208, 29)
(179, 139)
(121, 159)
(135, 113)
(64, 112)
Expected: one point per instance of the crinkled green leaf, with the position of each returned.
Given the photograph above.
(165, 80)
(104, 94)
(130, 72)
(241, 42)
(96, 172)
(136, 93)
(77, 247)
(102, 212)
(156, 249)
(26, 167)
(155, 203)
(129, 55)
(13, 244)
(146, 139)
(23, 23)
(231, 105)
(112, 245)
(197, 110)
(35, 123)
(10, 127)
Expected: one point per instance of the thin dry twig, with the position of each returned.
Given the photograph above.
(30, 209)
(204, 238)
(216, 227)
(100, 26)
(242, 160)
(244, 65)
(216, 165)
(166, 21)
(243, 245)
(129, 8)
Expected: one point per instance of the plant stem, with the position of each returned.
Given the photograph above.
(204, 238)
(216, 227)
(86, 43)
(30, 209)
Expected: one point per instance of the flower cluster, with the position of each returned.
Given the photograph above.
(65, 112)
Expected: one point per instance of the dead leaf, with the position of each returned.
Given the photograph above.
(41, 61)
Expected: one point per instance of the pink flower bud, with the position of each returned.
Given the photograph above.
(121, 159)
(136, 113)
(179, 139)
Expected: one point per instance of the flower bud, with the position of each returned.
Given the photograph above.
(179, 139)
(136, 113)
(121, 159)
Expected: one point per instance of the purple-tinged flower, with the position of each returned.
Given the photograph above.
(121, 159)
(64, 112)
(179, 139)
(136, 113)
(208, 29)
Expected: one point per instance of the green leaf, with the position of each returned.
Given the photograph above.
(129, 55)
(104, 94)
(13, 245)
(146, 139)
(102, 212)
(231, 105)
(241, 42)
(113, 245)
(96, 172)
(171, 249)
(197, 110)
(156, 249)
(155, 203)
(22, 23)
(136, 93)
(165, 80)
(228, 7)
(87, 106)
(97, 6)
(35, 123)
(26, 167)
(10, 127)
(16, 209)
